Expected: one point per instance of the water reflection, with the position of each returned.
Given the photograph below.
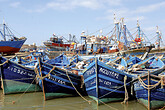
(34, 101)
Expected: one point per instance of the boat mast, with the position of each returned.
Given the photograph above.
(4, 26)
(158, 36)
(124, 32)
(138, 26)
(117, 28)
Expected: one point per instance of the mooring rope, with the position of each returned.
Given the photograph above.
(85, 98)
(107, 105)
(162, 81)
(13, 102)
(43, 106)
(115, 89)
(4, 62)
(76, 88)
(148, 86)
(47, 75)
(162, 108)
(126, 92)
(7, 60)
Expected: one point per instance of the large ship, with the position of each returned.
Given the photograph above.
(119, 40)
(56, 44)
(9, 43)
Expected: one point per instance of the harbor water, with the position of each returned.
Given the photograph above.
(35, 101)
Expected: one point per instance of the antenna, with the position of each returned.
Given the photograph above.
(138, 22)
(157, 29)
(3, 21)
(122, 20)
(115, 18)
(101, 31)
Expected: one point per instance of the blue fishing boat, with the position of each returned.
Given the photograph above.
(57, 82)
(12, 44)
(105, 83)
(17, 78)
(150, 90)
(36, 55)
(59, 61)
(18, 60)
(163, 59)
(151, 64)
(147, 82)
(132, 60)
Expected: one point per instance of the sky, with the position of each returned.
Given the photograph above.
(38, 20)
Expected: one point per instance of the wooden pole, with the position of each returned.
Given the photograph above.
(2, 81)
(149, 91)
(43, 90)
(97, 91)
(2, 85)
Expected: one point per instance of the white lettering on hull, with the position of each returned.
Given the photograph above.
(109, 73)
(108, 83)
(57, 80)
(19, 71)
(91, 71)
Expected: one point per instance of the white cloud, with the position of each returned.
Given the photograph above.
(122, 12)
(72, 4)
(133, 15)
(150, 8)
(93, 4)
(112, 2)
(15, 4)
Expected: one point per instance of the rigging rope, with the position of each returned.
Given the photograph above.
(99, 30)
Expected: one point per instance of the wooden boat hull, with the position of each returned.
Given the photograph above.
(56, 46)
(10, 47)
(17, 78)
(59, 61)
(58, 83)
(157, 94)
(113, 51)
(104, 83)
